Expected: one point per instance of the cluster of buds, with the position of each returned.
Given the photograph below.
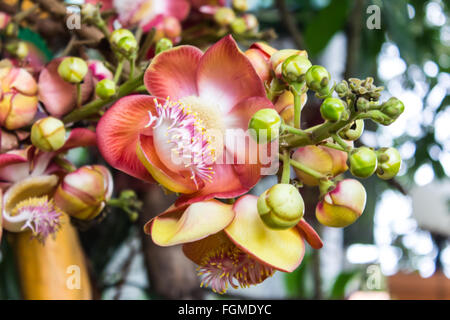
(321, 154)
(235, 19)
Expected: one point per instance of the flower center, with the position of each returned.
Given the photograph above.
(186, 137)
(228, 265)
(43, 216)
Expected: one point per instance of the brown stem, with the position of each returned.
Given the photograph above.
(289, 22)
(171, 274)
(354, 28)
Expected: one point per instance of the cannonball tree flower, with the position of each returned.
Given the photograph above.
(28, 178)
(208, 94)
(230, 243)
(18, 97)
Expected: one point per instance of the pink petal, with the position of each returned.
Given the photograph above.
(173, 73)
(225, 184)
(177, 8)
(118, 132)
(241, 113)
(225, 75)
(309, 234)
(79, 137)
(59, 96)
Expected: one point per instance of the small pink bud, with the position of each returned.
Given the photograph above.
(99, 70)
(4, 20)
(342, 206)
(18, 102)
(83, 193)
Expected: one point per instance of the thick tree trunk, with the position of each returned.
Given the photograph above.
(171, 274)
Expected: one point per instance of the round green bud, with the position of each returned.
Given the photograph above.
(333, 109)
(265, 125)
(48, 134)
(119, 34)
(362, 104)
(393, 108)
(342, 89)
(389, 162)
(317, 79)
(281, 207)
(73, 69)
(127, 45)
(239, 26)
(295, 67)
(224, 16)
(363, 162)
(354, 131)
(105, 89)
(89, 12)
(162, 45)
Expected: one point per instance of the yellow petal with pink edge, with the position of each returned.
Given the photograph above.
(280, 249)
(22, 112)
(199, 220)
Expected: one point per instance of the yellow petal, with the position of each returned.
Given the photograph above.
(280, 249)
(198, 221)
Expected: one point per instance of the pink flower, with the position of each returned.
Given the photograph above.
(146, 13)
(28, 179)
(207, 94)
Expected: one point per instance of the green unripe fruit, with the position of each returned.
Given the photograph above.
(363, 162)
(333, 109)
(393, 108)
(281, 207)
(317, 79)
(354, 131)
(295, 67)
(265, 125)
(163, 44)
(73, 69)
(389, 162)
(105, 89)
(48, 134)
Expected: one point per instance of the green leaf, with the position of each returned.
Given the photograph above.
(26, 34)
(325, 25)
(341, 283)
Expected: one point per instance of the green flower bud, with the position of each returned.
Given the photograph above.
(389, 162)
(73, 69)
(362, 104)
(393, 108)
(119, 34)
(162, 45)
(352, 132)
(281, 207)
(239, 26)
(22, 50)
(105, 89)
(128, 45)
(48, 134)
(264, 126)
(89, 12)
(363, 162)
(224, 16)
(342, 89)
(317, 79)
(295, 67)
(333, 109)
